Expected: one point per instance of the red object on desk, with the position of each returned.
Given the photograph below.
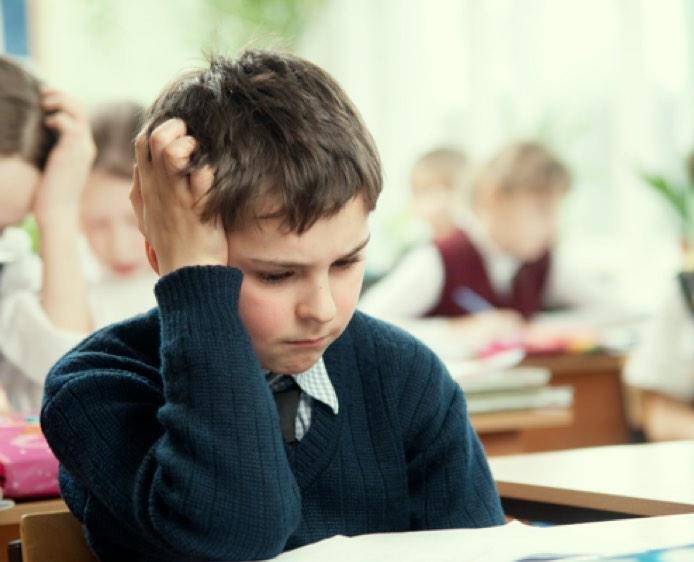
(545, 344)
(28, 467)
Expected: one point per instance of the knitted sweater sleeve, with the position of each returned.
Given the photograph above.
(196, 468)
(449, 479)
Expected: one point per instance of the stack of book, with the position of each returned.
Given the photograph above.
(495, 386)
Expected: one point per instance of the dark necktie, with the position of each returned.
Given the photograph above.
(287, 394)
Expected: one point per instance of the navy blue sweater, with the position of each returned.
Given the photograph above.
(170, 445)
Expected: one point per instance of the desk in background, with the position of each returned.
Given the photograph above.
(502, 433)
(598, 483)
(599, 415)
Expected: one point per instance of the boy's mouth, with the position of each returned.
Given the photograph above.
(309, 343)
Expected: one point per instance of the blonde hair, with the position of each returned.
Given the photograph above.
(449, 164)
(524, 166)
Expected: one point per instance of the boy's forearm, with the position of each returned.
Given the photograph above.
(64, 287)
(211, 446)
(665, 418)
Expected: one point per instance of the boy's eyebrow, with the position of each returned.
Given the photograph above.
(289, 264)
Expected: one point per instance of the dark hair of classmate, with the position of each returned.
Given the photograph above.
(284, 139)
(22, 131)
(114, 127)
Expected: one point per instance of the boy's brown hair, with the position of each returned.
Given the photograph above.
(283, 137)
(114, 127)
(22, 131)
(524, 166)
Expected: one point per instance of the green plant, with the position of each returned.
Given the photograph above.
(679, 197)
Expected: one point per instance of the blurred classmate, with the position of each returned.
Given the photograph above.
(487, 278)
(436, 183)
(123, 284)
(662, 366)
(46, 157)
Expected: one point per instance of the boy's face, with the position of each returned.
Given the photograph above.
(432, 198)
(18, 182)
(522, 223)
(299, 291)
(109, 223)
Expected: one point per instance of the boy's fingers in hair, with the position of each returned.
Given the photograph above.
(136, 197)
(163, 135)
(201, 181)
(142, 156)
(176, 155)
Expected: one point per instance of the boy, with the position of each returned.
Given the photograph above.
(436, 182)
(481, 283)
(179, 437)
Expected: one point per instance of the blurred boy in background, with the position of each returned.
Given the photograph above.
(47, 157)
(485, 279)
(437, 184)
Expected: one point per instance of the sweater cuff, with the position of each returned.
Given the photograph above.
(192, 287)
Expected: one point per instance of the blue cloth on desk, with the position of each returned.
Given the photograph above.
(170, 444)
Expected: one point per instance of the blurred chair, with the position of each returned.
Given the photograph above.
(53, 537)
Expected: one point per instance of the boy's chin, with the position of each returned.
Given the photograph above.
(293, 365)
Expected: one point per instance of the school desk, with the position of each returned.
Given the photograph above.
(502, 433)
(599, 416)
(599, 482)
(9, 519)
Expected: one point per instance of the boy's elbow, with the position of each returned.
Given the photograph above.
(257, 534)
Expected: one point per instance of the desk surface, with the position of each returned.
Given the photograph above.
(576, 363)
(516, 420)
(599, 416)
(644, 479)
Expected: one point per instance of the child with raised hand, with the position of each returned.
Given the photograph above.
(76, 188)
(46, 154)
(484, 280)
(254, 411)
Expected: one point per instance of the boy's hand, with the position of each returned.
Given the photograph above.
(489, 326)
(69, 163)
(167, 201)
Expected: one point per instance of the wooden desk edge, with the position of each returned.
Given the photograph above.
(515, 420)
(591, 500)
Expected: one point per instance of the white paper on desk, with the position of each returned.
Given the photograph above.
(471, 545)
(510, 543)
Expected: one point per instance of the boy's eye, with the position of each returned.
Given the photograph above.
(347, 263)
(275, 277)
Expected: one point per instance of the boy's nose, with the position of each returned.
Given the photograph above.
(318, 305)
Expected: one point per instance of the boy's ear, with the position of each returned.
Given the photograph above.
(152, 257)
